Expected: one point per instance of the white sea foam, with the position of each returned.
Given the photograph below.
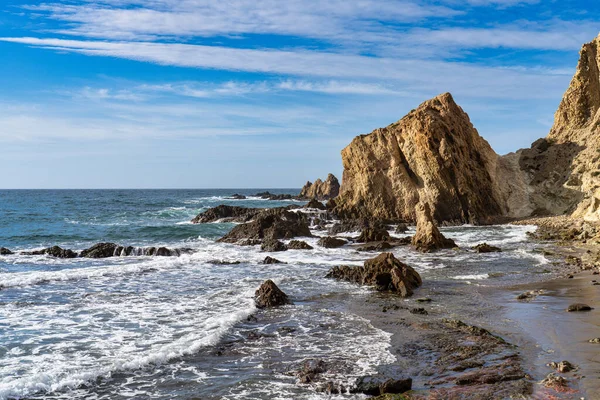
(475, 277)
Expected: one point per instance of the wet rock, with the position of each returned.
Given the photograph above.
(486, 248)
(373, 235)
(378, 385)
(530, 295)
(401, 228)
(271, 196)
(100, 250)
(276, 223)
(555, 382)
(299, 245)
(315, 204)
(424, 300)
(237, 197)
(385, 272)
(226, 213)
(419, 311)
(330, 388)
(271, 260)
(579, 307)
(54, 251)
(269, 295)
(562, 366)
(428, 237)
(330, 242)
(224, 262)
(273, 245)
(595, 340)
(381, 246)
(310, 370)
(5, 252)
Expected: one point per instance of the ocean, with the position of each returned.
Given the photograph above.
(186, 327)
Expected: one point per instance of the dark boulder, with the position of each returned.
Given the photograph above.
(237, 197)
(271, 196)
(226, 213)
(273, 245)
(486, 248)
(331, 242)
(269, 295)
(53, 251)
(315, 204)
(4, 251)
(310, 370)
(299, 245)
(381, 246)
(379, 385)
(401, 228)
(271, 260)
(100, 250)
(385, 272)
(275, 223)
(579, 307)
(378, 234)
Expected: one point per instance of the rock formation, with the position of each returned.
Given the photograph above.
(432, 155)
(428, 237)
(53, 251)
(321, 190)
(4, 251)
(385, 272)
(330, 242)
(269, 295)
(225, 213)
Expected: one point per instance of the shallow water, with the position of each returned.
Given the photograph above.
(160, 327)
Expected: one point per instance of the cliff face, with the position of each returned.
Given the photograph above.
(433, 155)
(321, 190)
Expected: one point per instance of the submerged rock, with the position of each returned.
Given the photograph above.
(105, 250)
(299, 245)
(321, 190)
(555, 382)
(486, 248)
(237, 197)
(385, 272)
(276, 223)
(428, 237)
(269, 295)
(310, 370)
(271, 260)
(273, 245)
(4, 251)
(226, 213)
(579, 307)
(54, 251)
(331, 242)
(562, 366)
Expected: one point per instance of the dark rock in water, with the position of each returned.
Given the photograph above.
(594, 340)
(423, 300)
(353, 225)
(226, 214)
(532, 294)
(271, 260)
(385, 272)
(381, 246)
(401, 228)
(331, 242)
(555, 382)
(378, 385)
(275, 223)
(486, 248)
(579, 307)
(100, 250)
(5, 252)
(269, 295)
(315, 204)
(237, 197)
(420, 311)
(224, 262)
(562, 366)
(273, 245)
(310, 370)
(53, 251)
(373, 235)
(271, 196)
(299, 245)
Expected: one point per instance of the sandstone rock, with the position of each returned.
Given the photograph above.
(269, 295)
(276, 223)
(226, 213)
(331, 242)
(4, 251)
(385, 272)
(579, 307)
(316, 204)
(428, 237)
(271, 260)
(320, 190)
(273, 245)
(299, 245)
(373, 235)
(486, 248)
(433, 155)
(100, 250)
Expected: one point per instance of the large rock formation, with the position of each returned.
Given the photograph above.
(321, 190)
(428, 237)
(433, 155)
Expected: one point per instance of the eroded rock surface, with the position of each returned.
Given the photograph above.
(269, 295)
(428, 237)
(321, 190)
(275, 223)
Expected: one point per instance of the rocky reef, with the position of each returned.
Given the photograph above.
(321, 190)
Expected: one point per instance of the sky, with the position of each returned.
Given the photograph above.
(263, 93)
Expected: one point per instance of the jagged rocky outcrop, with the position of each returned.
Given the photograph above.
(433, 155)
(54, 251)
(385, 272)
(321, 190)
(4, 251)
(269, 295)
(105, 250)
(225, 213)
(428, 237)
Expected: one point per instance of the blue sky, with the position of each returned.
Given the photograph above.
(262, 93)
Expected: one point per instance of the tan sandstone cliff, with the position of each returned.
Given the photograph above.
(433, 155)
(321, 190)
